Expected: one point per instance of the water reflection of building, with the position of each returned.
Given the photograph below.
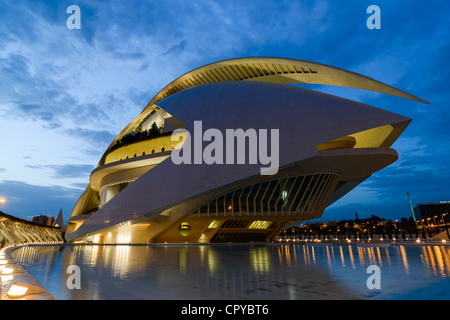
(276, 271)
(436, 259)
(260, 259)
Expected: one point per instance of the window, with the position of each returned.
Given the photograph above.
(184, 229)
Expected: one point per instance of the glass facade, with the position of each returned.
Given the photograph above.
(286, 196)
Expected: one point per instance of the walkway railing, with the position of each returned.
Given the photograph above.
(375, 238)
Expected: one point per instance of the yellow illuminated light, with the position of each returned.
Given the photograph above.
(124, 236)
(260, 224)
(7, 270)
(341, 143)
(184, 229)
(3, 261)
(17, 291)
(214, 224)
(6, 278)
(96, 238)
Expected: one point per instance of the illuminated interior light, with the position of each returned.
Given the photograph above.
(17, 291)
(214, 224)
(96, 238)
(260, 224)
(184, 229)
(3, 261)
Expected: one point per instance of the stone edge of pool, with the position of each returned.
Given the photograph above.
(20, 278)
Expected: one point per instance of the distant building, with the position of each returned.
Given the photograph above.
(433, 213)
(44, 220)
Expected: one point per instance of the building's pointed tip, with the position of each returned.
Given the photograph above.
(59, 221)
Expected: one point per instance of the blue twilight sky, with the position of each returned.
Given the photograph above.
(65, 94)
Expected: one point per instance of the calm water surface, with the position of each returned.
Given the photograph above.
(272, 271)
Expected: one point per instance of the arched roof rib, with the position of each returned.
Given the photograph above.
(277, 70)
(268, 69)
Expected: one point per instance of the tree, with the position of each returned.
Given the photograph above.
(154, 130)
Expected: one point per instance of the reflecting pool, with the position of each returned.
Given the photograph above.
(258, 272)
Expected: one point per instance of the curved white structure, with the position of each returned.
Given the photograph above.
(327, 146)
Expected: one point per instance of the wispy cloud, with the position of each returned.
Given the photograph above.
(66, 170)
(97, 138)
(65, 94)
(27, 200)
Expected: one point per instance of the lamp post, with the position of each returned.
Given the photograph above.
(446, 227)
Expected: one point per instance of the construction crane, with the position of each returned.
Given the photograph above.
(410, 204)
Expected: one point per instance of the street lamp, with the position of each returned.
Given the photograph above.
(443, 221)
(1, 201)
